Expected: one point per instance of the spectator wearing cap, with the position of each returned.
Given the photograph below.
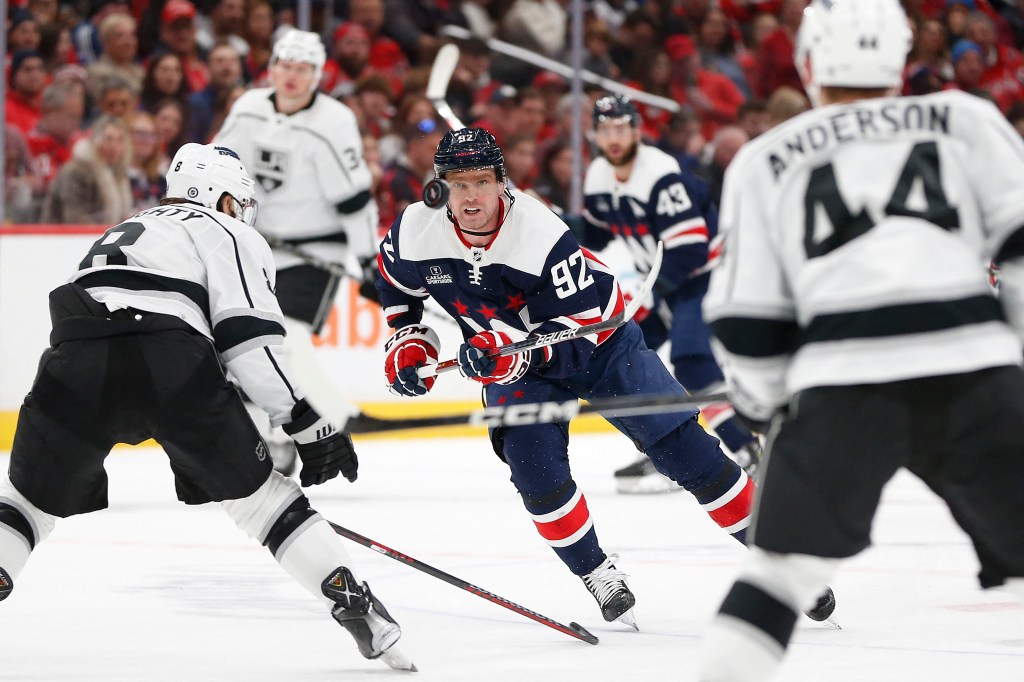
(775, 66)
(93, 187)
(120, 49)
(27, 80)
(955, 18)
(86, 36)
(1004, 65)
(386, 56)
(23, 33)
(968, 67)
(51, 141)
(225, 23)
(498, 119)
(714, 97)
(225, 66)
(350, 60)
(403, 179)
(178, 35)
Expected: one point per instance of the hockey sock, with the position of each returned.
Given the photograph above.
(22, 527)
(567, 527)
(748, 637)
(727, 499)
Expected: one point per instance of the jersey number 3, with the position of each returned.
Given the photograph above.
(822, 190)
(107, 249)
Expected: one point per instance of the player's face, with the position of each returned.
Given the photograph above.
(474, 200)
(292, 80)
(617, 140)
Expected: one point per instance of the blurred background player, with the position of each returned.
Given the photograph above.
(504, 266)
(852, 310)
(313, 185)
(638, 195)
(138, 341)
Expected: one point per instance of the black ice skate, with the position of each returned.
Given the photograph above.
(6, 584)
(749, 457)
(822, 611)
(365, 618)
(641, 478)
(608, 585)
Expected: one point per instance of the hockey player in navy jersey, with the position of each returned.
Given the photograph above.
(305, 152)
(852, 310)
(504, 266)
(637, 194)
(141, 333)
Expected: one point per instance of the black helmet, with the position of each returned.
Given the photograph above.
(611, 107)
(468, 149)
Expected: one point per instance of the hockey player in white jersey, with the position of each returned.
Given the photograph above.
(851, 310)
(313, 186)
(637, 195)
(140, 334)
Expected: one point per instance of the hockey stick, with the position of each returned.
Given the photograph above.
(538, 413)
(437, 85)
(532, 342)
(572, 629)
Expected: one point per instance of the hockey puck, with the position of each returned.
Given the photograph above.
(435, 193)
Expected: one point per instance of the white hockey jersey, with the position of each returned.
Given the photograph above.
(305, 165)
(857, 239)
(213, 272)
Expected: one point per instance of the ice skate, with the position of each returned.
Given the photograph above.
(822, 611)
(365, 618)
(641, 478)
(6, 584)
(608, 585)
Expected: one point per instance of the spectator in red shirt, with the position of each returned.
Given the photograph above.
(775, 65)
(386, 55)
(498, 119)
(714, 97)
(27, 80)
(50, 142)
(23, 33)
(350, 58)
(1004, 66)
(178, 35)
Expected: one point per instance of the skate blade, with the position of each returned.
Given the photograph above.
(628, 619)
(395, 658)
(652, 484)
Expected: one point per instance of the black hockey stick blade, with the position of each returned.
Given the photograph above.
(542, 340)
(538, 413)
(573, 629)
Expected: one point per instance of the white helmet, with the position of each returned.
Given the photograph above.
(303, 47)
(852, 43)
(203, 173)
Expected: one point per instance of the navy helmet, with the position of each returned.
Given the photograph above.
(614, 107)
(468, 149)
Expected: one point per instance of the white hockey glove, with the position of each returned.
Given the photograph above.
(324, 450)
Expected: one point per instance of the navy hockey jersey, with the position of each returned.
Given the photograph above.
(532, 278)
(658, 202)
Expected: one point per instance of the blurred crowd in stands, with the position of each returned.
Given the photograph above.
(101, 93)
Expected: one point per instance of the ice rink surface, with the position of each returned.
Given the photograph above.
(153, 590)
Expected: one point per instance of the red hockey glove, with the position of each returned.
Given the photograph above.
(407, 350)
(476, 364)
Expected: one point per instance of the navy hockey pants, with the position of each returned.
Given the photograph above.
(538, 454)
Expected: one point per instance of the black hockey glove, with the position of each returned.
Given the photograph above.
(368, 285)
(324, 450)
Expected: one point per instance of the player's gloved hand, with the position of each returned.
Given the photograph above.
(476, 364)
(643, 311)
(368, 285)
(324, 450)
(410, 348)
